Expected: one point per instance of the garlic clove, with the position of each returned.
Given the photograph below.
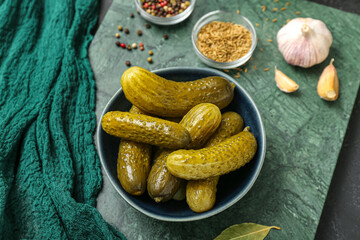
(284, 83)
(304, 42)
(328, 85)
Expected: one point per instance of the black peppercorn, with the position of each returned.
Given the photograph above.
(118, 43)
(129, 47)
(126, 31)
(132, 15)
(166, 37)
(139, 32)
(128, 63)
(147, 26)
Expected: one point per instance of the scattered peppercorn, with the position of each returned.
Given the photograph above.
(139, 32)
(118, 43)
(147, 26)
(123, 45)
(120, 28)
(166, 37)
(117, 35)
(149, 59)
(126, 31)
(128, 63)
(129, 47)
(141, 48)
(141, 44)
(151, 53)
(134, 45)
(132, 15)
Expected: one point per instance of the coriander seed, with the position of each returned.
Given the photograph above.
(151, 53)
(120, 28)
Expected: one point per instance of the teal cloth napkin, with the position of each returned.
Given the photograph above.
(49, 170)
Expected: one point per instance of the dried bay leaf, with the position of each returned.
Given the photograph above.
(245, 231)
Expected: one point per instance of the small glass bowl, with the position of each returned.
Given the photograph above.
(224, 17)
(164, 20)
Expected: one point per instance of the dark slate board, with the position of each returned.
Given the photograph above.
(304, 133)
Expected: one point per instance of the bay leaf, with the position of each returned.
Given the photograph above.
(245, 231)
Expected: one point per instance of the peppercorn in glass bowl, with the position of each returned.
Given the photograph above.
(224, 40)
(165, 12)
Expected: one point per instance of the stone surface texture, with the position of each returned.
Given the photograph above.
(304, 133)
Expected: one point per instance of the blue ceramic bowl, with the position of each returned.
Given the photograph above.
(231, 188)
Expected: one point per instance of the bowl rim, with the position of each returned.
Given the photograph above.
(166, 21)
(224, 65)
(203, 215)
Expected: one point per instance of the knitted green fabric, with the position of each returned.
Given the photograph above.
(49, 170)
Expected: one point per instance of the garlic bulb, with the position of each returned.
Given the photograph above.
(304, 42)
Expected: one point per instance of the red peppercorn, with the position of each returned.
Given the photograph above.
(146, 5)
(123, 45)
(153, 7)
(141, 48)
(141, 44)
(166, 2)
(162, 4)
